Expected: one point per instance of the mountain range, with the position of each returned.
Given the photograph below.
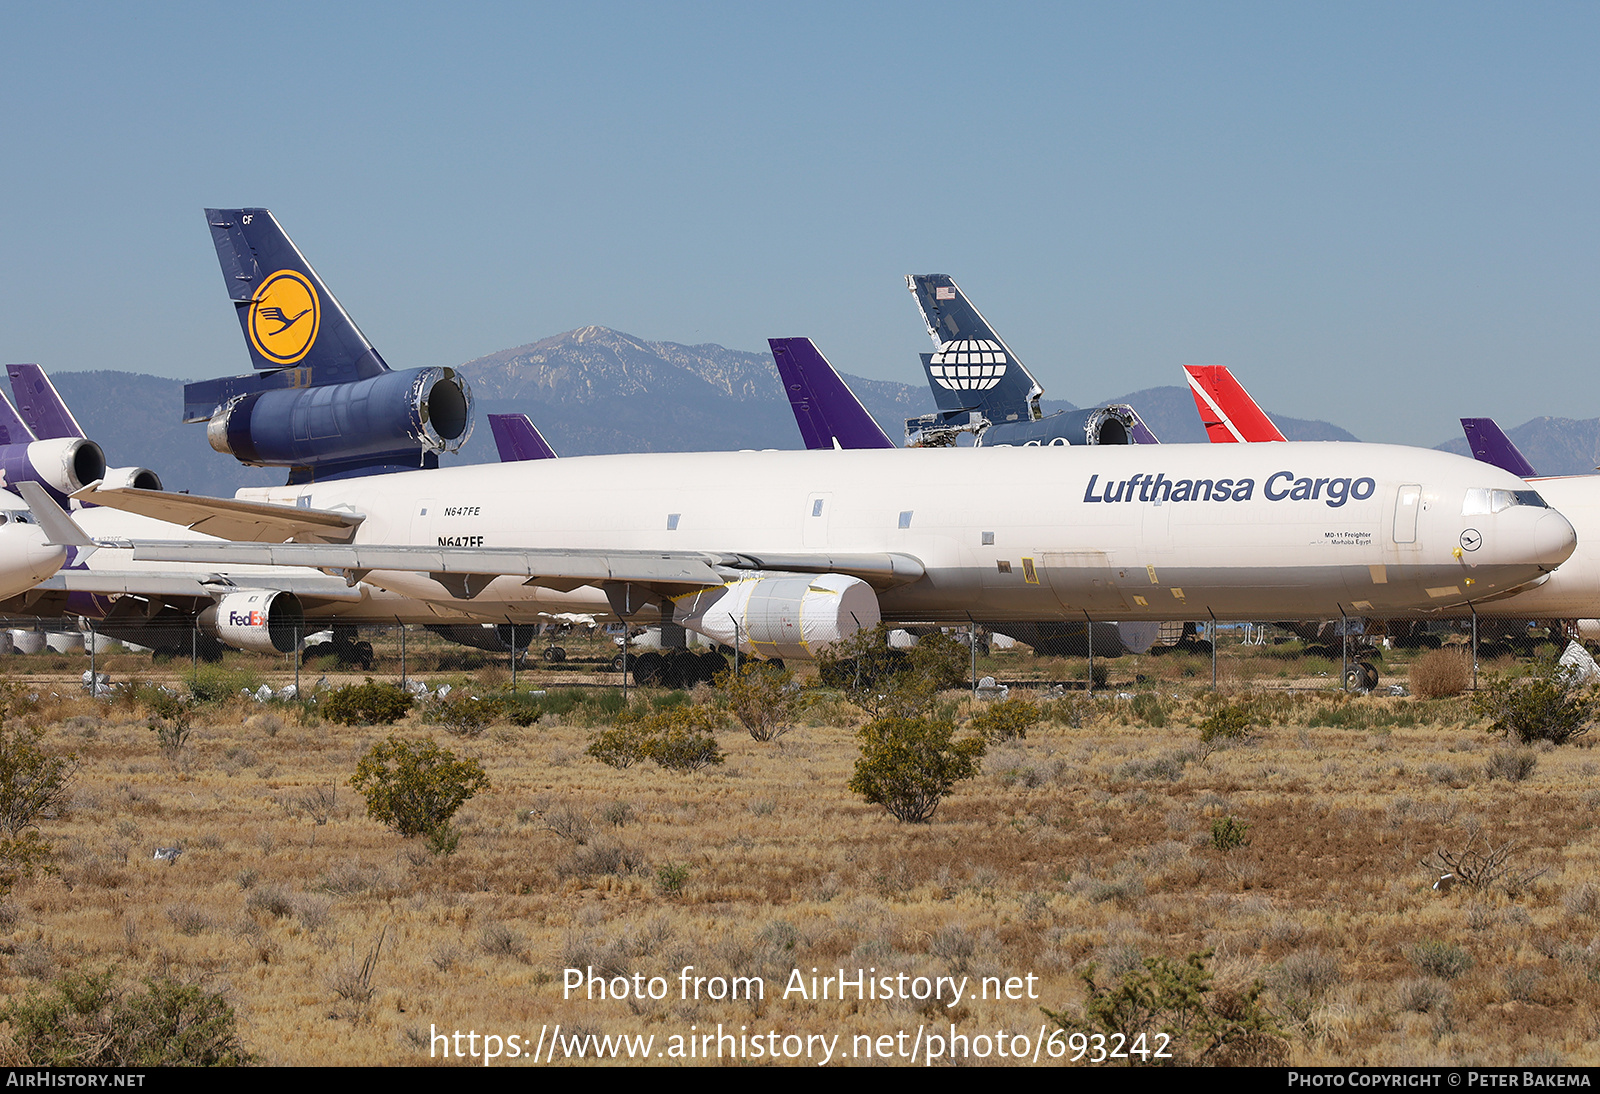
(596, 390)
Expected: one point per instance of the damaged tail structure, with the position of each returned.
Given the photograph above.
(982, 388)
(321, 402)
(826, 410)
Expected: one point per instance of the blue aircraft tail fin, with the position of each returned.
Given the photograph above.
(518, 439)
(288, 316)
(826, 410)
(971, 368)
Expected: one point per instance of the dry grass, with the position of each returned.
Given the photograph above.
(1439, 674)
(339, 943)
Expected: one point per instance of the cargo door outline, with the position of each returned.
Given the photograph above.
(1087, 580)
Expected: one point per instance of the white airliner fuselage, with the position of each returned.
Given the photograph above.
(1174, 532)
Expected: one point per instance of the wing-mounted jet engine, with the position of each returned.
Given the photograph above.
(322, 401)
(982, 389)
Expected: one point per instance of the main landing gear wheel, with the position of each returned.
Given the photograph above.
(555, 655)
(1360, 678)
(1355, 679)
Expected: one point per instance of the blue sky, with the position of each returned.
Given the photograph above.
(1382, 215)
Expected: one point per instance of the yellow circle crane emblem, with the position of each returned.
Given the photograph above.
(284, 314)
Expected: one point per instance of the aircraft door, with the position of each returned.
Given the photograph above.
(1408, 503)
(1086, 580)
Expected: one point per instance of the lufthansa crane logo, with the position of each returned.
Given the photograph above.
(284, 314)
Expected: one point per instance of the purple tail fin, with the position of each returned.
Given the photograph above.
(826, 410)
(518, 440)
(1141, 433)
(12, 428)
(1490, 444)
(42, 407)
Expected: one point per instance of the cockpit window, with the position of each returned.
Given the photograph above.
(1480, 500)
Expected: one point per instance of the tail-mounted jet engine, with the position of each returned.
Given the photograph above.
(256, 620)
(321, 400)
(426, 408)
(781, 616)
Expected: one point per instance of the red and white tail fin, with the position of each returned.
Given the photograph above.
(1226, 409)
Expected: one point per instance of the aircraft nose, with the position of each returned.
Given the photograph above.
(1554, 540)
(28, 561)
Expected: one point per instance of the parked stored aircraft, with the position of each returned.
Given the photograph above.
(982, 388)
(826, 542)
(1571, 593)
(830, 416)
(802, 548)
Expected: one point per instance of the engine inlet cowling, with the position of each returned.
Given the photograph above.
(256, 620)
(426, 408)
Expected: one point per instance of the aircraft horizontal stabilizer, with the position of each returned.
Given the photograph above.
(228, 518)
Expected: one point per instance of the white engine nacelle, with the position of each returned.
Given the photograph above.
(256, 620)
(67, 463)
(1139, 636)
(782, 615)
(140, 478)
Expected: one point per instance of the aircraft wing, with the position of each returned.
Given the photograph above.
(229, 518)
(1226, 408)
(145, 583)
(458, 568)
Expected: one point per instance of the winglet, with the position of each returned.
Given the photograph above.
(826, 410)
(59, 529)
(518, 439)
(1490, 445)
(1226, 408)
